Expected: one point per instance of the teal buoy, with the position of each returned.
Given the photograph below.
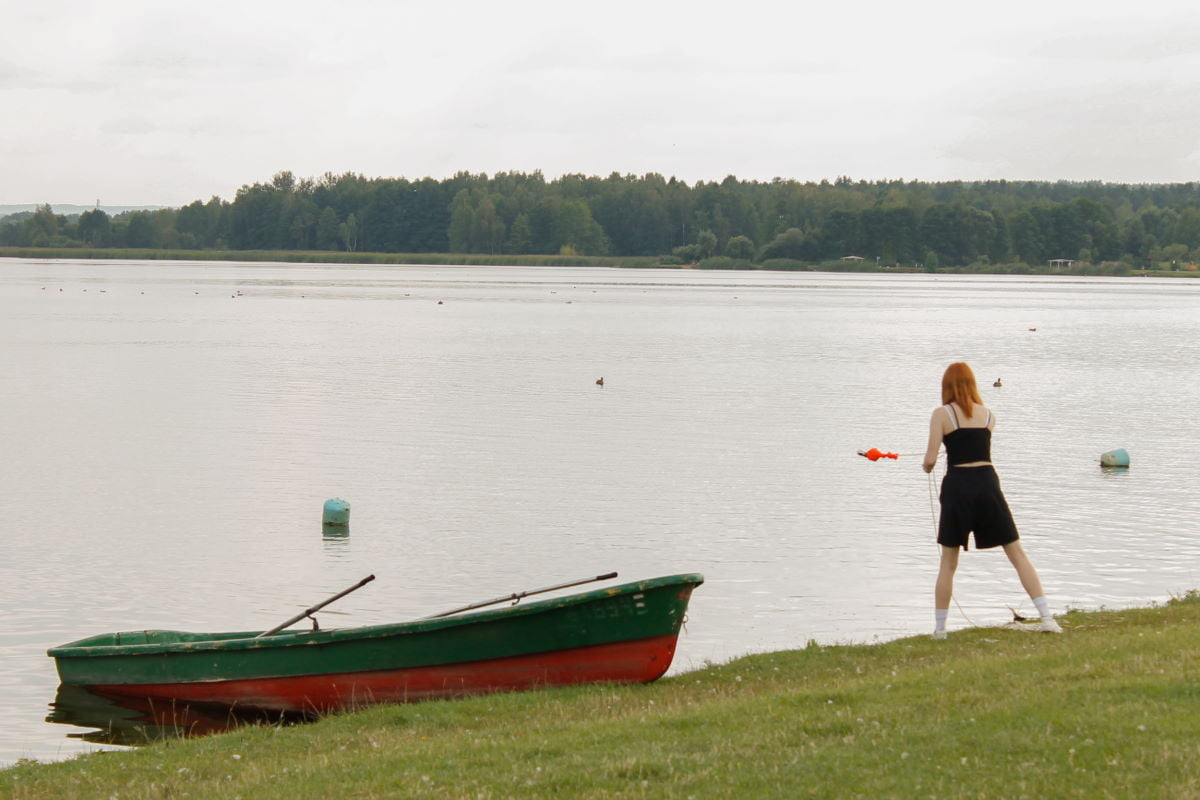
(336, 514)
(1115, 458)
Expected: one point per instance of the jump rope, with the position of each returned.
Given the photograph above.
(874, 454)
(933, 517)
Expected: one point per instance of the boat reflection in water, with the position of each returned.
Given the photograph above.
(132, 721)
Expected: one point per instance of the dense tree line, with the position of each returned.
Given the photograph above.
(888, 222)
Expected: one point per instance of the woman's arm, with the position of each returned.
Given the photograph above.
(935, 439)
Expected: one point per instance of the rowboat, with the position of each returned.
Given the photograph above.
(620, 634)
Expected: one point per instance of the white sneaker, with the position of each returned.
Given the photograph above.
(1050, 626)
(939, 634)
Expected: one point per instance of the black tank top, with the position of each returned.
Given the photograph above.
(967, 445)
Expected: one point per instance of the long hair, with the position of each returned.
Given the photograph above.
(958, 386)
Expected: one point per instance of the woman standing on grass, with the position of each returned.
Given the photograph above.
(971, 497)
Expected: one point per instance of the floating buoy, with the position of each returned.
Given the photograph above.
(336, 513)
(1115, 458)
(875, 454)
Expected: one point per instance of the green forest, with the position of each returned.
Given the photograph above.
(999, 225)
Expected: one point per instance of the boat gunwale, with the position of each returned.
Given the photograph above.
(246, 640)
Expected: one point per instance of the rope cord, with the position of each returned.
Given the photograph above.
(933, 516)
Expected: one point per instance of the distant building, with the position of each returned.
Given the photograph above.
(851, 258)
(1058, 264)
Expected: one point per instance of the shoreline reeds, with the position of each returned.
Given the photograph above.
(504, 260)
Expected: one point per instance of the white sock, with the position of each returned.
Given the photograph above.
(1042, 606)
(939, 616)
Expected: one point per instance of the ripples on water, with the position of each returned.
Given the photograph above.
(170, 443)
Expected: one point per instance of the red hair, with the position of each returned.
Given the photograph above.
(958, 386)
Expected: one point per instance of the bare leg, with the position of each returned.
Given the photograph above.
(1025, 570)
(1029, 579)
(945, 579)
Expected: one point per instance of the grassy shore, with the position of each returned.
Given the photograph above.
(1109, 709)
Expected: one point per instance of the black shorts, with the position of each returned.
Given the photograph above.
(972, 501)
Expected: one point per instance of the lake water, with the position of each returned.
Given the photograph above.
(172, 429)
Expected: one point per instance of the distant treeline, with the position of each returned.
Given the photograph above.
(731, 222)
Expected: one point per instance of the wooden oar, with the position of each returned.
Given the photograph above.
(317, 607)
(516, 597)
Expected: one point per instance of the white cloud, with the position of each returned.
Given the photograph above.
(146, 102)
(1096, 102)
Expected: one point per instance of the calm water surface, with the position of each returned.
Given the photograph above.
(172, 430)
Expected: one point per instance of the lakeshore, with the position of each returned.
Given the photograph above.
(1106, 709)
(503, 260)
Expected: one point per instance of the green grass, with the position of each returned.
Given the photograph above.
(1110, 709)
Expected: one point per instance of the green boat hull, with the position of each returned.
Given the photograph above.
(626, 633)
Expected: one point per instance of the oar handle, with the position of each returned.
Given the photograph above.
(317, 607)
(518, 595)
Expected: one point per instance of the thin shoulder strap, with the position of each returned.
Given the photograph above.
(953, 417)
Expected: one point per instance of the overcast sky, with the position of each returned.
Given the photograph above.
(153, 102)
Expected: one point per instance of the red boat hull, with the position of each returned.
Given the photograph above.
(637, 661)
